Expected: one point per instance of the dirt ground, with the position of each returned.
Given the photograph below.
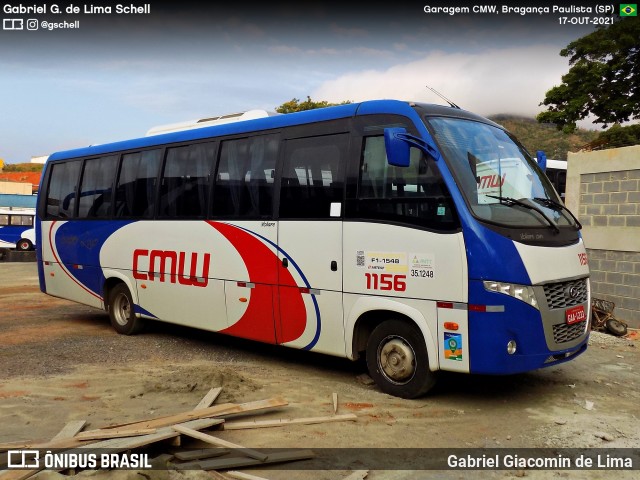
(61, 361)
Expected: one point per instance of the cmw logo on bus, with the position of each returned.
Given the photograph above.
(168, 258)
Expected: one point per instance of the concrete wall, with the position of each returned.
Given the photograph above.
(603, 189)
(16, 188)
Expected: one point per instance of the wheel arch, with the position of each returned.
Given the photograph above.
(369, 312)
(113, 278)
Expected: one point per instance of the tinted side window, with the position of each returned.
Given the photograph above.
(61, 196)
(313, 176)
(415, 194)
(136, 190)
(245, 178)
(4, 220)
(19, 220)
(562, 183)
(96, 187)
(185, 181)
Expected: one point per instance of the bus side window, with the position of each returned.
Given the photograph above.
(4, 220)
(313, 176)
(136, 189)
(562, 183)
(96, 187)
(244, 182)
(61, 195)
(415, 194)
(185, 181)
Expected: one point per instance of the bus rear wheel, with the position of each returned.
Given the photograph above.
(24, 245)
(121, 311)
(397, 360)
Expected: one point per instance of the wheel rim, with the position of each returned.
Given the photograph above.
(396, 360)
(121, 309)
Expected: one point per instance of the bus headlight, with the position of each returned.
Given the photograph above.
(524, 293)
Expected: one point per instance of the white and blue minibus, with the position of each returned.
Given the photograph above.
(419, 237)
(17, 228)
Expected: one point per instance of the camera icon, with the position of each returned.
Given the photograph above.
(32, 24)
(23, 458)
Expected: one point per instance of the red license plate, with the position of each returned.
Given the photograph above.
(575, 314)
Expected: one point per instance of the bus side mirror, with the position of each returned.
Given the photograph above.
(541, 157)
(396, 147)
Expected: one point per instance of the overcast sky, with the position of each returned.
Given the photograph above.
(118, 75)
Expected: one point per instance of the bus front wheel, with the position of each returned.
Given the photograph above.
(121, 311)
(397, 360)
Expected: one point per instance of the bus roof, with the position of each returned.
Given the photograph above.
(270, 122)
(208, 122)
(557, 164)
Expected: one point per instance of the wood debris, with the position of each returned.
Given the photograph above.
(243, 476)
(224, 455)
(285, 421)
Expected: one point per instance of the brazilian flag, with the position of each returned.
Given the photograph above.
(629, 10)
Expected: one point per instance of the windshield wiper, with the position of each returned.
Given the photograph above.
(547, 202)
(512, 201)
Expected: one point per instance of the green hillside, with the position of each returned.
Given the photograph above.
(537, 136)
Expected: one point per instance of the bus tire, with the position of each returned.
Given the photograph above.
(24, 245)
(121, 311)
(397, 360)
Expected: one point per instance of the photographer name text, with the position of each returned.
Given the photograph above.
(85, 9)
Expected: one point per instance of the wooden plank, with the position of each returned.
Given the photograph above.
(289, 421)
(243, 476)
(165, 433)
(219, 442)
(335, 402)
(185, 416)
(357, 475)
(216, 411)
(21, 444)
(239, 462)
(70, 429)
(113, 433)
(17, 474)
(217, 475)
(209, 398)
(200, 453)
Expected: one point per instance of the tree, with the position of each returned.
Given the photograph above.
(294, 105)
(618, 136)
(604, 78)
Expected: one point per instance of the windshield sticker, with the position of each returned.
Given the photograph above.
(382, 261)
(422, 265)
(453, 346)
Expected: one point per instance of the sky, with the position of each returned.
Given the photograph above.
(118, 75)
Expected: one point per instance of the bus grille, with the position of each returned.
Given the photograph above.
(563, 333)
(566, 294)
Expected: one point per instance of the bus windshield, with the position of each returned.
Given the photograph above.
(500, 181)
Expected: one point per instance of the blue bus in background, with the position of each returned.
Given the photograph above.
(17, 229)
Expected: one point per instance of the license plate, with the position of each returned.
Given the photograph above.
(575, 315)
